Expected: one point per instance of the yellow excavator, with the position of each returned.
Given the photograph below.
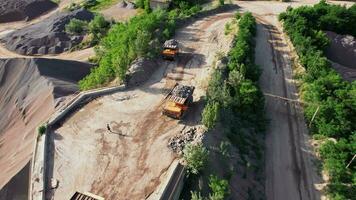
(178, 101)
(170, 49)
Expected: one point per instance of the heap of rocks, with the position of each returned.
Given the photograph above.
(48, 36)
(192, 135)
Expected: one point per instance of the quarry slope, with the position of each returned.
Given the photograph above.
(15, 10)
(30, 90)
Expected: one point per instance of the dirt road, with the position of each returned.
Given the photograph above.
(86, 157)
(290, 172)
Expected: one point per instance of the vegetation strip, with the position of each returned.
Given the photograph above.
(236, 104)
(330, 101)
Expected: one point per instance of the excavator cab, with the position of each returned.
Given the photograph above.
(170, 49)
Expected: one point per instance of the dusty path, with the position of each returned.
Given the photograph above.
(290, 172)
(289, 167)
(131, 162)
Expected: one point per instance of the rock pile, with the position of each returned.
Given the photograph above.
(140, 71)
(342, 49)
(187, 135)
(15, 10)
(46, 37)
(126, 4)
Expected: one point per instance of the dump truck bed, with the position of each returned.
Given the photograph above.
(180, 93)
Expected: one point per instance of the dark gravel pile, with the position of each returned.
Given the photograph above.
(15, 10)
(46, 37)
(342, 49)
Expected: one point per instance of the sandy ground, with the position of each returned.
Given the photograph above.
(131, 161)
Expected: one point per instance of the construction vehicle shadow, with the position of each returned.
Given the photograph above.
(193, 115)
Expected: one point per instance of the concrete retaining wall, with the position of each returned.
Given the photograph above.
(38, 174)
(172, 186)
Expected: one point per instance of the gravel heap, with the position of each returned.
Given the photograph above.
(342, 49)
(126, 4)
(140, 71)
(187, 135)
(15, 10)
(46, 37)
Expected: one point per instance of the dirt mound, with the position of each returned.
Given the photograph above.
(342, 49)
(46, 37)
(140, 71)
(126, 4)
(15, 10)
(30, 91)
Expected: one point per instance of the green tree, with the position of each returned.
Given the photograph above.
(196, 157)
(76, 26)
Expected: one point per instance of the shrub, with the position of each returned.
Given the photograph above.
(42, 130)
(210, 114)
(219, 188)
(221, 2)
(196, 157)
(196, 195)
(89, 3)
(76, 26)
(98, 27)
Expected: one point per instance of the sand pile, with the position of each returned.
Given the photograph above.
(15, 10)
(140, 71)
(30, 90)
(47, 36)
(342, 53)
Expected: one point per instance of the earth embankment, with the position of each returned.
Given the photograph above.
(30, 91)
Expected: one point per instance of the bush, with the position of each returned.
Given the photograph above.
(42, 130)
(210, 114)
(196, 157)
(219, 188)
(221, 2)
(89, 3)
(98, 27)
(76, 26)
(196, 195)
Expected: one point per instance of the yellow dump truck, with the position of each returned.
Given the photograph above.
(170, 49)
(178, 101)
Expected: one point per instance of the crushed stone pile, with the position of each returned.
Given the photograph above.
(140, 71)
(342, 49)
(182, 91)
(16, 10)
(172, 43)
(30, 91)
(126, 4)
(47, 36)
(192, 135)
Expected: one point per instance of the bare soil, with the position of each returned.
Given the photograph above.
(131, 161)
(30, 91)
